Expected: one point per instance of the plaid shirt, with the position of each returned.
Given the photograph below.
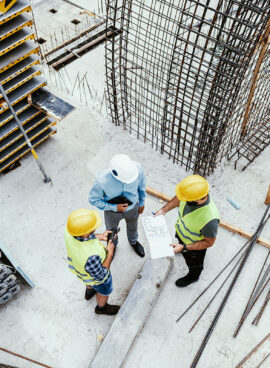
(93, 265)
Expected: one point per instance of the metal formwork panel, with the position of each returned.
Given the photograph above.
(14, 25)
(24, 117)
(24, 150)
(16, 55)
(15, 40)
(20, 7)
(19, 68)
(5, 5)
(20, 143)
(31, 124)
(6, 116)
(21, 79)
(24, 91)
(19, 76)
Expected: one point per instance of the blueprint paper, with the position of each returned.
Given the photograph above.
(158, 236)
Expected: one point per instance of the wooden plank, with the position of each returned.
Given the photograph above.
(81, 49)
(243, 233)
(267, 199)
(225, 225)
(81, 34)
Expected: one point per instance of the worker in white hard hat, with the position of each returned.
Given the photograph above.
(89, 259)
(120, 192)
(196, 226)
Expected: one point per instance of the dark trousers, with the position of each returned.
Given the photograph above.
(112, 220)
(194, 259)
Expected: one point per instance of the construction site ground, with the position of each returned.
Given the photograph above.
(52, 322)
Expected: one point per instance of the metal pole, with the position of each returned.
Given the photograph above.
(225, 299)
(46, 177)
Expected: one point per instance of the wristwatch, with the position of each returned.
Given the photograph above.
(184, 250)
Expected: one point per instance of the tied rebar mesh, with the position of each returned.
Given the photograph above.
(191, 77)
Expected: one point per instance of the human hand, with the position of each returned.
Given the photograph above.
(177, 247)
(159, 212)
(141, 209)
(104, 236)
(122, 207)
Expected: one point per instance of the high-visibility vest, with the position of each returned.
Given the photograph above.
(78, 253)
(189, 227)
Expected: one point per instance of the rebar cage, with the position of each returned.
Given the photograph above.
(191, 77)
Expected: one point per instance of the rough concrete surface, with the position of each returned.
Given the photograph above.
(52, 323)
(133, 314)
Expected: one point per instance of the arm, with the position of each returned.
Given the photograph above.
(174, 202)
(96, 198)
(108, 260)
(199, 245)
(141, 187)
(103, 236)
(95, 268)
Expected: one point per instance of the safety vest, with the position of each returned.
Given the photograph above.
(78, 254)
(189, 227)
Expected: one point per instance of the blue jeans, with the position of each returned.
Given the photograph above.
(106, 287)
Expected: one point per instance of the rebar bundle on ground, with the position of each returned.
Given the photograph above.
(191, 77)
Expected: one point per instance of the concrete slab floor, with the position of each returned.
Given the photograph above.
(52, 323)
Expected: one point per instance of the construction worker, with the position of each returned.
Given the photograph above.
(120, 192)
(196, 225)
(89, 259)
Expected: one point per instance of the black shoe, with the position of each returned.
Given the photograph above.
(138, 249)
(187, 280)
(108, 309)
(89, 293)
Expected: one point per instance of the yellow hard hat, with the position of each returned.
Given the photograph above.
(83, 221)
(192, 188)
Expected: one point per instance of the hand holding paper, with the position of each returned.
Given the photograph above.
(158, 236)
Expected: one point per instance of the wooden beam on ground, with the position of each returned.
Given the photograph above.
(81, 49)
(267, 199)
(83, 33)
(225, 225)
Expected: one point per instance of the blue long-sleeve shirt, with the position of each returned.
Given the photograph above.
(106, 187)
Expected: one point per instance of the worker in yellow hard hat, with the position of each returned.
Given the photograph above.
(196, 226)
(89, 259)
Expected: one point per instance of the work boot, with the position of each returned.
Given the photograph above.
(187, 280)
(89, 293)
(138, 249)
(108, 309)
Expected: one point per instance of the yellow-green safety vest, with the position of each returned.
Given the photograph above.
(78, 254)
(189, 227)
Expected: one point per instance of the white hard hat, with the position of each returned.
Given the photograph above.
(123, 168)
